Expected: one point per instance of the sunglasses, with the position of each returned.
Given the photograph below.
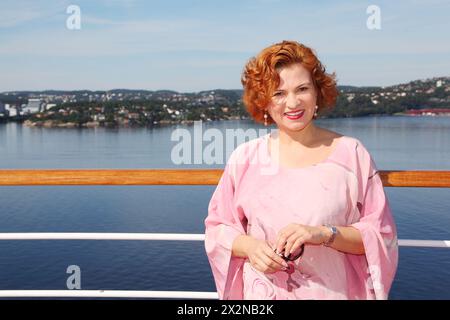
(292, 257)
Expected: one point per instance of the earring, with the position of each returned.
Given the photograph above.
(315, 112)
(265, 118)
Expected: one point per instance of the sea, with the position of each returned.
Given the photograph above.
(395, 143)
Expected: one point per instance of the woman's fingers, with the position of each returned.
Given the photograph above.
(277, 261)
(267, 261)
(272, 260)
(292, 237)
(283, 237)
(261, 265)
(296, 246)
(291, 242)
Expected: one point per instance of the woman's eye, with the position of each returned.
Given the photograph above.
(277, 94)
(303, 89)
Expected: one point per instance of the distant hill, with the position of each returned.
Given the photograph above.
(133, 107)
(353, 100)
(229, 93)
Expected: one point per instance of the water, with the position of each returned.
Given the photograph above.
(402, 143)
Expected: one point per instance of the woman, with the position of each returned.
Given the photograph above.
(320, 225)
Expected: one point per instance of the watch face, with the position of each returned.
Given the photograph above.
(333, 235)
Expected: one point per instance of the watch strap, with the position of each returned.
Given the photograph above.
(330, 240)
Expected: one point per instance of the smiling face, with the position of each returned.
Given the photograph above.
(293, 103)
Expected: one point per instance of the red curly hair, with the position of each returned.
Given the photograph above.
(261, 78)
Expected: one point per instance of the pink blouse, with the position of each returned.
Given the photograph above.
(257, 197)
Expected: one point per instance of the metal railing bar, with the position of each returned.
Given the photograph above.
(108, 294)
(166, 237)
(424, 243)
(101, 236)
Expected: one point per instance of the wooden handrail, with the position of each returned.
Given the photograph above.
(390, 178)
(415, 178)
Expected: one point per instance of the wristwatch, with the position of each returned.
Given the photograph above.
(334, 232)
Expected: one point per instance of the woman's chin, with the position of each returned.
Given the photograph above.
(291, 126)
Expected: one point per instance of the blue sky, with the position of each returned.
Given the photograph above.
(200, 45)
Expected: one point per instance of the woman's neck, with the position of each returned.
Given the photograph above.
(302, 138)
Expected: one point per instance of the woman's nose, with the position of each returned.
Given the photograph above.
(292, 100)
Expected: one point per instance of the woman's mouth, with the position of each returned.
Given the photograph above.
(294, 115)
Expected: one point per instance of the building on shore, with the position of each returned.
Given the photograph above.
(428, 112)
(33, 106)
(3, 112)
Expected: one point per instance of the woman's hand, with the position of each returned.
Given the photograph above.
(263, 258)
(291, 237)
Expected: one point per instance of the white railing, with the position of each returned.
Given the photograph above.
(101, 236)
(166, 237)
(139, 236)
(424, 243)
(107, 294)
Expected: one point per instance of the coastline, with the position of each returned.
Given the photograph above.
(96, 124)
